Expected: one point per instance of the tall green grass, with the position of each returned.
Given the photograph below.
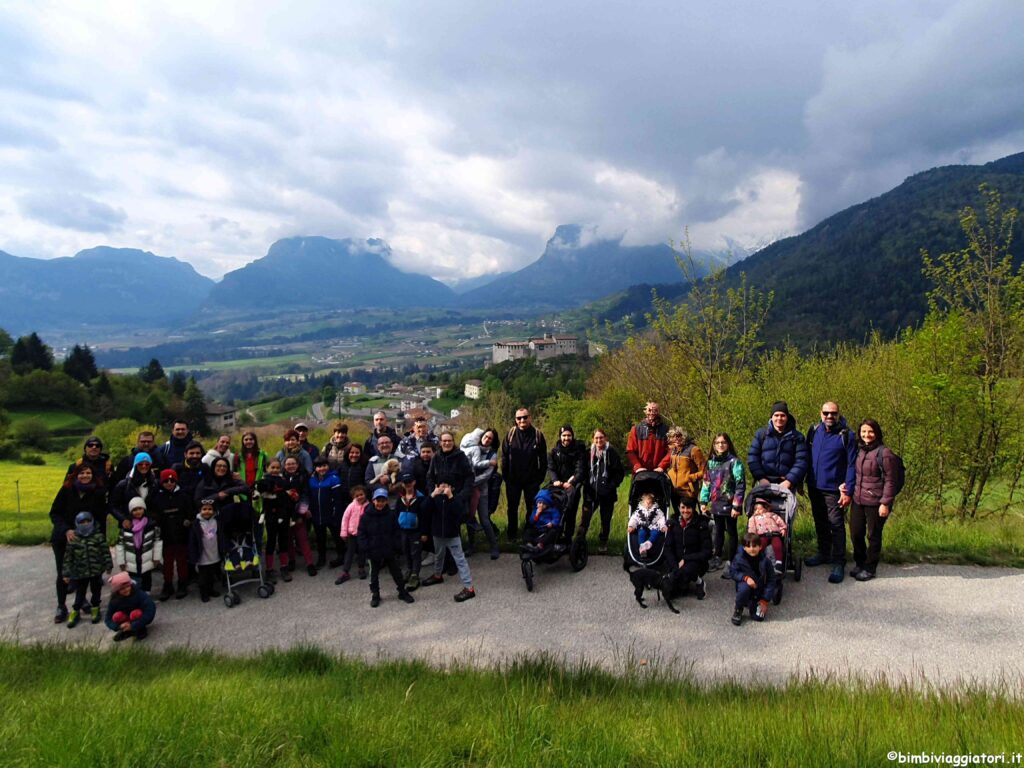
(64, 706)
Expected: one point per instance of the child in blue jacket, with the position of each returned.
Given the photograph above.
(755, 577)
(544, 524)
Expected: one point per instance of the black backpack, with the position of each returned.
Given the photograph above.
(899, 475)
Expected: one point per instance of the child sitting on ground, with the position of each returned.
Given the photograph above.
(648, 522)
(139, 547)
(85, 561)
(756, 580)
(543, 526)
(350, 531)
(130, 610)
(771, 528)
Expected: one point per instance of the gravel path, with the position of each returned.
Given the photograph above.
(922, 624)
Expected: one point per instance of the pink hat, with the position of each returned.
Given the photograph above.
(119, 579)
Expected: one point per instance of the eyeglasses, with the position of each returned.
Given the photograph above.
(830, 413)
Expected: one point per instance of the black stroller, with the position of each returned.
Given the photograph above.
(551, 548)
(784, 504)
(242, 561)
(646, 569)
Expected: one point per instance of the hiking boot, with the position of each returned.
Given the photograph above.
(737, 616)
(815, 560)
(865, 575)
(413, 582)
(311, 570)
(73, 618)
(700, 589)
(375, 601)
(61, 615)
(405, 597)
(345, 576)
(121, 635)
(855, 571)
(286, 574)
(95, 611)
(836, 577)
(467, 593)
(431, 580)
(762, 610)
(165, 593)
(715, 564)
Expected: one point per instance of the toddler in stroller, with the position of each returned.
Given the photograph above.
(543, 536)
(642, 559)
(544, 525)
(648, 523)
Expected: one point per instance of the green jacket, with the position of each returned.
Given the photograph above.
(87, 556)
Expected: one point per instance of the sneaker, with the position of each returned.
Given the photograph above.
(73, 618)
(61, 615)
(727, 573)
(142, 634)
(311, 570)
(362, 573)
(780, 568)
(836, 577)
(495, 553)
(121, 635)
(602, 548)
(865, 575)
(715, 564)
(737, 616)
(405, 597)
(815, 560)
(431, 580)
(854, 571)
(95, 611)
(413, 582)
(700, 589)
(761, 611)
(467, 593)
(345, 576)
(375, 601)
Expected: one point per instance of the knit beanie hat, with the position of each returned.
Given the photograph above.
(119, 579)
(136, 503)
(780, 406)
(84, 524)
(140, 457)
(168, 474)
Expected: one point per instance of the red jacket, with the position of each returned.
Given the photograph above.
(647, 447)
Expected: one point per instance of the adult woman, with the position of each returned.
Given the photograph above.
(252, 461)
(687, 464)
(352, 470)
(480, 447)
(219, 485)
(873, 496)
(567, 469)
(336, 449)
(604, 475)
(141, 482)
(79, 493)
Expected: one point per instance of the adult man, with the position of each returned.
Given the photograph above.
(647, 446)
(524, 462)
(222, 450)
(94, 457)
(420, 435)
(191, 470)
(144, 443)
(303, 429)
(380, 428)
(173, 451)
(832, 455)
(779, 452)
(377, 475)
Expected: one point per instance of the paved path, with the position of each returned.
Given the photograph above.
(924, 624)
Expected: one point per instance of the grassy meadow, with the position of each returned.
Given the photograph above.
(64, 706)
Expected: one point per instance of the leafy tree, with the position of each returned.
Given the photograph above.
(45, 388)
(153, 372)
(80, 364)
(178, 383)
(31, 354)
(195, 408)
(329, 395)
(32, 433)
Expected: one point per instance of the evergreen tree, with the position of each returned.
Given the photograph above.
(178, 383)
(103, 387)
(80, 364)
(153, 372)
(6, 343)
(195, 408)
(30, 354)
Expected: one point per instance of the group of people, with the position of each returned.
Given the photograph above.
(387, 503)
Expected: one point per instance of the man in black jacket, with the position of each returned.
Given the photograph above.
(524, 462)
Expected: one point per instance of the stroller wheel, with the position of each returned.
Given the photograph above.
(528, 574)
(264, 591)
(798, 568)
(229, 601)
(237, 598)
(578, 554)
(272, 588)
(778, 595)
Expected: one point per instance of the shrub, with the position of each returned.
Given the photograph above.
(32, 433)
(33, 459)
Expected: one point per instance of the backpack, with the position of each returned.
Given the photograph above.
(899, 475)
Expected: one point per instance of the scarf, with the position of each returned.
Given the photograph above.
(83, 487)
(138, 528)
(598, 467)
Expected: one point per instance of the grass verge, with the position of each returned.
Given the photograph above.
(68, 706)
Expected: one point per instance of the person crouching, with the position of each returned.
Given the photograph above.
(755, 577)
(130, 610)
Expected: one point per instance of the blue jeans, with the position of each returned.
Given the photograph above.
(454, 546)
(647, 534)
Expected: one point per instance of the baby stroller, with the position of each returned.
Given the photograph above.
(646, 570)
(242, 561)
(783, 503)
(553, 549)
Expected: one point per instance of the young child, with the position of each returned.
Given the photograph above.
(543, 526)
(377, 536)
(756, 580)
(349, 533)
(771, 528)
(130, 610)
(206, 549)
(174, 511)
(85, 561)
(648, 521)
(721, 495)
(326, 507)
(139, 547)
(277, 514)
(411, 504)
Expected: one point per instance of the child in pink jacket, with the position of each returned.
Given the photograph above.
(349, 531)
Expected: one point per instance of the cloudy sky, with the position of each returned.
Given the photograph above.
(463, 133)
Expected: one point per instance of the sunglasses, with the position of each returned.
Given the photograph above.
(522, 418)
(830, 413)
